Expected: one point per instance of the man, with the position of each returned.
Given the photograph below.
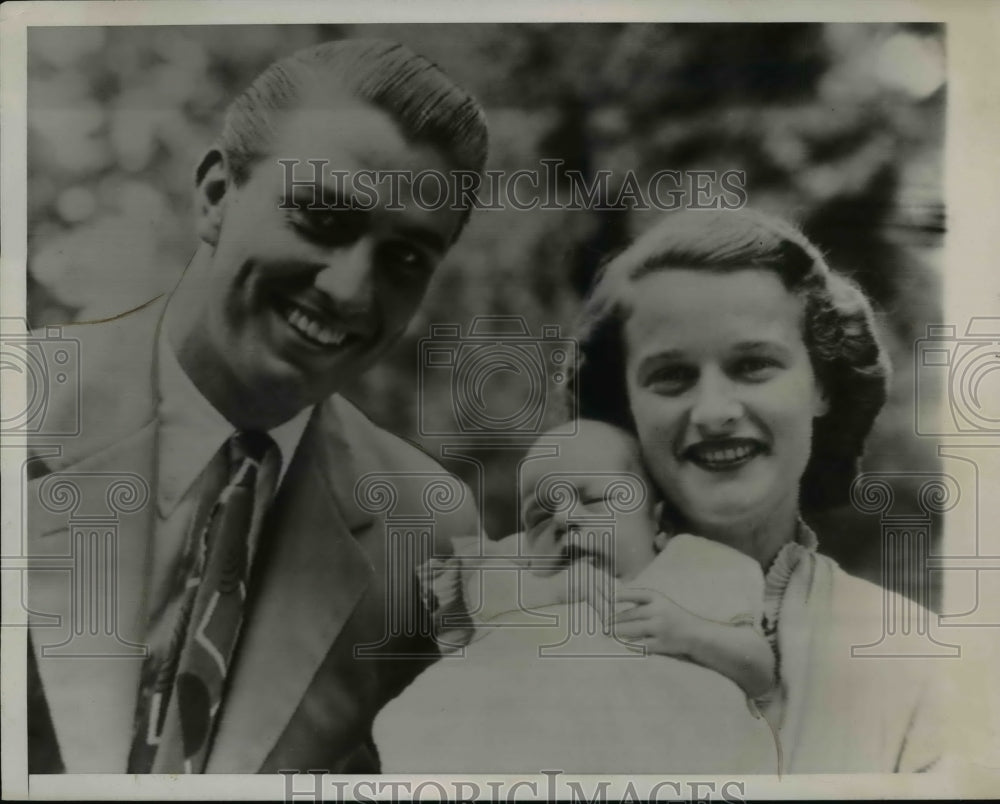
(258, 579)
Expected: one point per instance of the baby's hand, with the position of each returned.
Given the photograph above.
(655, 622)
(739, 652)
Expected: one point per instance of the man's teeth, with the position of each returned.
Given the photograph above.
(314, 330)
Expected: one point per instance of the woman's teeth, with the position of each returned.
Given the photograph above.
(313, 329)
(722, 457)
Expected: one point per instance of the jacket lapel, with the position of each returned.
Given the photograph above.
(89, 526)
(88, 570)
(310, 576)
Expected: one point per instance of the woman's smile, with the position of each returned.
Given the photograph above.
(723, 455)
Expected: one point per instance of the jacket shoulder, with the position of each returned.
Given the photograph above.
(865, 595)
(868, 614)
(392, 451)
(94, 380)
(415, 476)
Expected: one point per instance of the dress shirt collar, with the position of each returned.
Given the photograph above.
(191, 430)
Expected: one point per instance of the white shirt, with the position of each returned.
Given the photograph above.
(191, 431)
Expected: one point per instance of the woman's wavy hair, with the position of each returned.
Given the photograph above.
(850, 364)
(427, 105)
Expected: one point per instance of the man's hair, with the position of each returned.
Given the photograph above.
(850, 364)
(427, 105)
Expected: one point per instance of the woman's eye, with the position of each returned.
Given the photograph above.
(756, 368)
(671, 379)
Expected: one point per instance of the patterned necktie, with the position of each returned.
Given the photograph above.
(181, 693)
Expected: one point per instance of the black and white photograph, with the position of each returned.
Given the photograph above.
(417, 403)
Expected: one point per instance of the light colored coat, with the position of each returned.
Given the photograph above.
(846, 713)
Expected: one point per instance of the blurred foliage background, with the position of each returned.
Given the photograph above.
(838, 126)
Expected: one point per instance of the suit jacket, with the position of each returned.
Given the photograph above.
(335, 626)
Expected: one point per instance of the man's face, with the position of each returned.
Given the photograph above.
(301, 300)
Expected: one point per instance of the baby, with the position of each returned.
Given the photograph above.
(692, 598)
(599, 644)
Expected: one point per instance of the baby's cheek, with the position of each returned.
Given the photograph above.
(633, 551)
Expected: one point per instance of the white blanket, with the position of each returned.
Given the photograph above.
(550, 690)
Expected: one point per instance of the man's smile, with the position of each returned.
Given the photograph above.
(315, 328)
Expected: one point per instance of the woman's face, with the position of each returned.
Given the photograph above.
(723, 395)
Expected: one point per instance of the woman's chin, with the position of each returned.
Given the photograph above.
(727, 523)
(730, 506)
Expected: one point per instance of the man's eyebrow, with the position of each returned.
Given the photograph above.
(315, 196)
(327, 192)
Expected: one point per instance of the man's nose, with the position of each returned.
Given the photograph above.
(716, 405)
(348, 276)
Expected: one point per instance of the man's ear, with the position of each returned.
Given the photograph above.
(212, 186)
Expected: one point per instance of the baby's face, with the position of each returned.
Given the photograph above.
(596, 477)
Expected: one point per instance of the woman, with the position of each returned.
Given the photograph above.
(751, 375)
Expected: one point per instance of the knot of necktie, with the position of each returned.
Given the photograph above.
(248, 450)
(251, 444)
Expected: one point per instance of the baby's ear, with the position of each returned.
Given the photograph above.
(668, 518)
(660, 538)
